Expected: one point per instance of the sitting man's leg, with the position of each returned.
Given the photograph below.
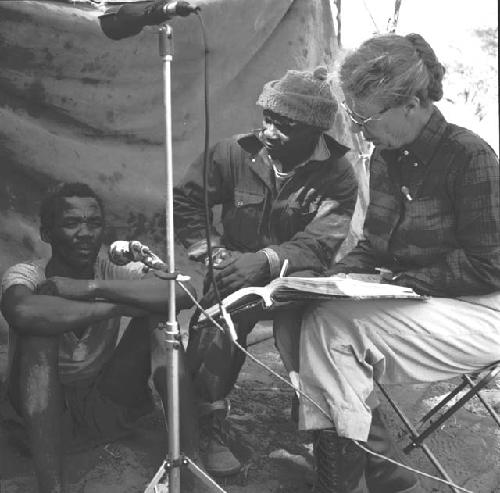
(123, 394)
(346, 344)
(189, 429)
(36, 393)
(215, 364)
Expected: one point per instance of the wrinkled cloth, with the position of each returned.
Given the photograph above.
(346, 345)
(434, 221)
(77, 106)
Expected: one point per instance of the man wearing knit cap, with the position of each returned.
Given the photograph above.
(288, 194)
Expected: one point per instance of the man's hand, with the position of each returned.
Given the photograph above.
(245, 269)
(220, 256)
(65, 287)
(236, 271)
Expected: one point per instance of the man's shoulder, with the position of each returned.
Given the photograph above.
(27, 273)
(240, 140)
(247, 142)
(337, 150)
(236, 148)
(338, 167)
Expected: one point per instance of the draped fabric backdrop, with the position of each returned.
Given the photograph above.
(75, 105)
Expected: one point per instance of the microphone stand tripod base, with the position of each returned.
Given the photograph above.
(160, 482)
(170, 469)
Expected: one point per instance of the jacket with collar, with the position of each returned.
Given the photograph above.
(305, 222)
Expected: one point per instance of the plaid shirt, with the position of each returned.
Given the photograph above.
(434, 214)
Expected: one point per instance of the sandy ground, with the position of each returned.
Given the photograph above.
(276, 457)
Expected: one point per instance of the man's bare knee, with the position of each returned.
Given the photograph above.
(38, 375)
(38, 348)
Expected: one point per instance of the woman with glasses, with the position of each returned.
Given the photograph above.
(433, 224)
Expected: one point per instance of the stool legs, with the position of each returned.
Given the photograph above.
(475, 387)
(381, 475)
(414, 435)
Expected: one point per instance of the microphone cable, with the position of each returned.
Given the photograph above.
(205, 161)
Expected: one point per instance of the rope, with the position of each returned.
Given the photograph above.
(317, 405)
(201, 473)
(377, 30)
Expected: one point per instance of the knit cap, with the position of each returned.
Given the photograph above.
(303, 96)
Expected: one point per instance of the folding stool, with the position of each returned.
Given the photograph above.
(474, 383)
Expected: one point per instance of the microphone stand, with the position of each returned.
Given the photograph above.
(174, 461)
(172, 334)
(116, 24)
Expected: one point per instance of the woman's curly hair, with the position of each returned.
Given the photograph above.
(390, 69)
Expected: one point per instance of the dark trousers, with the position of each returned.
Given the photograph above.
(215, 362)
(213, 359)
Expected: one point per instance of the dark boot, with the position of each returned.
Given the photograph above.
(214, 433)
(340, 464)
(381, 475)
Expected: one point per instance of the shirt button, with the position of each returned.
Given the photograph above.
(405, 153)
(253, 160)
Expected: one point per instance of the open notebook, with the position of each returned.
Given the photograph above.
(285, 290)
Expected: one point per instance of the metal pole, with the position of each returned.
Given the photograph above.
(172, 330)
(338, 4)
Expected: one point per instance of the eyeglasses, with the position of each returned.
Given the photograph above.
(358, 119)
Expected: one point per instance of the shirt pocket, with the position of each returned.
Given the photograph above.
(430, 221)
(242, 223)
(244, 199)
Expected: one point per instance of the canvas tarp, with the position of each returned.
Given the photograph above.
(75, 105)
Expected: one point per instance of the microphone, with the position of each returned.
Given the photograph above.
(124, 252)
(129, 19)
